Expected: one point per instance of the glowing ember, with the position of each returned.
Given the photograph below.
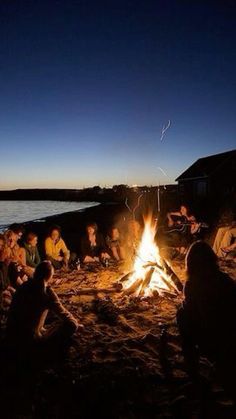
(149, 275)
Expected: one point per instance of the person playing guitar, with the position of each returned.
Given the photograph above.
(182, 229)
(182, 221)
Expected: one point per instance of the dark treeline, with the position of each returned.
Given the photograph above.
(117, 193)
(152, 199)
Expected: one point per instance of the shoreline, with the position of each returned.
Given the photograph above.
(44, 218)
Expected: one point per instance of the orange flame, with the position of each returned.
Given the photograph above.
(146, 257)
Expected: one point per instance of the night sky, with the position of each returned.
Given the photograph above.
(86, 87)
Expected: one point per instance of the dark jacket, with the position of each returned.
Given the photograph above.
(29, 302)
(210, 305)
(93, 251)
(32, 255)
(4, 282)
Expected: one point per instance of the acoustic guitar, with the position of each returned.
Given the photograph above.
(179, 223)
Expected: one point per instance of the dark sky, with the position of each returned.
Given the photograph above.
(86, 87)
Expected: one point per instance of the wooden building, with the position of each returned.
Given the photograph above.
(212, 177)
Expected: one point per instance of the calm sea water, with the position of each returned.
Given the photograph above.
(21, 211)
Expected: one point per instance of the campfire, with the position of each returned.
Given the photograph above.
(151, 274)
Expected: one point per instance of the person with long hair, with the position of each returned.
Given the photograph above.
(56, 249)
(207, 319)
(115, 244)
(12, 251)
(93, 247)
(14, 257)
(30, 306)
(6, 290)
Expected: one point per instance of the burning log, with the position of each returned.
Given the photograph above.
(173, 283)
(146, 281)
(154, 264)
(133, 287)
(169, 284)
(173, 276)
(151, 273)
(126, 276)
(177, 285)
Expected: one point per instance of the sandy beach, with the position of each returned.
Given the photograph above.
(128, 361)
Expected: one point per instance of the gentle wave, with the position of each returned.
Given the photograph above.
(23, 211)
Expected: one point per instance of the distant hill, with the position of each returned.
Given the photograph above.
(117, 193)
(41, 194)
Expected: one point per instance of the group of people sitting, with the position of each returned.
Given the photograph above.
(206, 319)
(20, 255)
(26, 295)
(22, 249)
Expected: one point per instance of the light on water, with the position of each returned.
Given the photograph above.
(22, 211)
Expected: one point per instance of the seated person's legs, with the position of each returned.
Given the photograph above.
(55, 263)
(219, 240)
(228, 242)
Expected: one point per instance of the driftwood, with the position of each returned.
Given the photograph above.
(146, 281)
(93, 291)
(126, 277)
(168, 283)
(154, 264)
(133, 211)
(177, 284)
(172, 275)
(173, 283)
(134, 287)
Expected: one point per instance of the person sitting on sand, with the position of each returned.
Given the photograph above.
(32, 253)
(231, 251)
(29, 309)
(207, 319)
(13, 252)
(182, 227)
(93, 247)
(56, 249)
(12, 261)
(115, 244)
(6, 291)
(225, 240)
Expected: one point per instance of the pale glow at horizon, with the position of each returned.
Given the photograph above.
(62, 174)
